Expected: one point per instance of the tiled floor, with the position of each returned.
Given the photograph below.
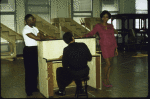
(129, 78)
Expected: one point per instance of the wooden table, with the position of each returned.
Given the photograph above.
(50, 63)
(50, 51)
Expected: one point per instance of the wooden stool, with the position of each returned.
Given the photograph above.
(85, 88)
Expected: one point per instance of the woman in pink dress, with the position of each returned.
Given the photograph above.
(107, 42)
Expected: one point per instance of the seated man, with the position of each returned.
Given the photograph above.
(74, 61)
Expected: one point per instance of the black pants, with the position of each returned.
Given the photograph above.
(65, 76)
(30, 56)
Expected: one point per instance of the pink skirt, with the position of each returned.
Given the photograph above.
(108, 51)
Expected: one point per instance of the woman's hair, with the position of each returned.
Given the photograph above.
(67, 37)
(27, 16)
(105, 12)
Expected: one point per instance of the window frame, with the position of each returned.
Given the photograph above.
(48, 6)
(15, 23)
(72, 12)
(101, 2)
(12, 13)
(140, 21)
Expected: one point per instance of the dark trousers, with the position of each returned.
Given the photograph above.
(65, 76)
(30, 56)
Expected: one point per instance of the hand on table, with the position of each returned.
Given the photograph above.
(60, 57)
(81, 36)
(50, 37)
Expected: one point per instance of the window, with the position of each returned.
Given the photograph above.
(39, 7)
(81, 9)
(114, 21)
(110, 5)
(8, 7)
(8, 15)
(8, 20)
(139, 22)
(141, 7)
(4, 1)
(82, 5)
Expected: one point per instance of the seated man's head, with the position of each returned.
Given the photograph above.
(68, 38)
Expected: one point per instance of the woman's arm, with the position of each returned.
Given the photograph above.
(115, 31)
(114, 40)
(116, 52)
(93, 32)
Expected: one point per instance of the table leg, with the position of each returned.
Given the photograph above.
(50, 80)
(98, 76)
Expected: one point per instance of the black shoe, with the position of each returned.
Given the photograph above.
(36, 90)
(29, 94)
(81, 91)
(60, 93)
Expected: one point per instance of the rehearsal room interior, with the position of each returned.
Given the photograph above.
(129, 69)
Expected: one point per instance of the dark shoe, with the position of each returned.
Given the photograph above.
(29, 94)
(36, 90)
(60, 93)
(81, 91)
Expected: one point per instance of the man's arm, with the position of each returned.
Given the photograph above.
(89, 55)
(31, 35)
(65, 59)
(38, 37)
(44, 36)
(60, 57)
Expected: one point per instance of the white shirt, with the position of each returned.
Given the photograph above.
(29, 41)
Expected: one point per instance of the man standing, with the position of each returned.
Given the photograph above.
(31, 35)
(74, 61)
